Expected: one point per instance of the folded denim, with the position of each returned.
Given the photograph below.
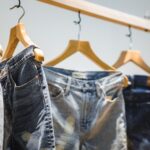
(88, 109)
(137, 100)
(28, 121)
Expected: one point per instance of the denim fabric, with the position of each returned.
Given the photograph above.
(88, 109)
(27, 108)
(137, 100)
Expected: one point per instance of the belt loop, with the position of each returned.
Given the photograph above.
(100, 89)
(68, 85)
(132, 81)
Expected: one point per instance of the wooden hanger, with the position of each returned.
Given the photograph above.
(18, 34)
(84, 48)
(132, 56)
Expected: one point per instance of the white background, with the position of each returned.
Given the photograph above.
(51, 28)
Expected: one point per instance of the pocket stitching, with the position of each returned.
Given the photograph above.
(36, 78)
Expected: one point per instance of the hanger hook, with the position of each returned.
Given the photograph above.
(79, 23)
(19, 6)
(130, 37)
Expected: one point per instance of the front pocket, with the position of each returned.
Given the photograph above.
(35, 80)
(55, 90)
(23, 94)
(24, 75)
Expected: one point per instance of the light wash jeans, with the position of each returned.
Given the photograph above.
(88, 109)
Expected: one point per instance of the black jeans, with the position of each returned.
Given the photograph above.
(27, 108)
(137, 99)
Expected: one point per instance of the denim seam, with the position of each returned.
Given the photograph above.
(47, 110)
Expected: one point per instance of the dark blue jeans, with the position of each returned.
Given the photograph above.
(27, 108)
(137, 99)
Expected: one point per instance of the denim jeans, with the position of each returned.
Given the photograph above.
(88, 109)
(137, 100)
(28, 121)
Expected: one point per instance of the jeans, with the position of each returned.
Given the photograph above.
(88, 109)
(137, 100)
(28, 121)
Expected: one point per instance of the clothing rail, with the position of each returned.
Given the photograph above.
(101, 12)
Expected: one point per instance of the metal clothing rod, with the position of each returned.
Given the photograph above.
(101, 12)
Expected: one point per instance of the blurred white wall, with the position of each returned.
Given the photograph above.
(51, 28)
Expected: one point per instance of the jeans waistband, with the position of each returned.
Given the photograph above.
(15, 61)
(141, 81)
(83, 80)
(139, 90)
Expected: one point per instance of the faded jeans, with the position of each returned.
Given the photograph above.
(88, 109)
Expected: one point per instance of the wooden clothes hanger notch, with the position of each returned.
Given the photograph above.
(18, 34)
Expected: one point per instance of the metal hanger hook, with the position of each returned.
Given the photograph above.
(19, 6)
(130, 37)
(79, 23)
